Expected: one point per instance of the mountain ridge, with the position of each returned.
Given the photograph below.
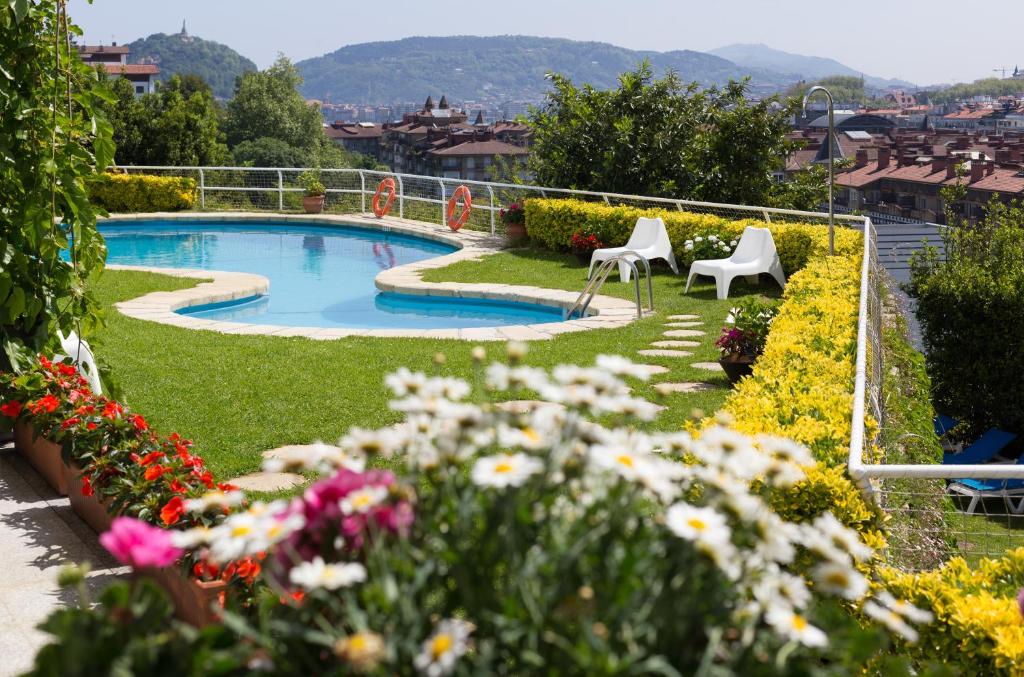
(181, 54)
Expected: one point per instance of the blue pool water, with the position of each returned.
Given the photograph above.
(320, 276)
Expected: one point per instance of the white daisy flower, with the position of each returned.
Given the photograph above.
(890, 619)
(363, 443)
(405, 382)
(622, 366)
(842, 537)
(215, 499)
(505, 470)
(795, 626)
(363, 500)
(697, 524)
(904, 608)
(441, 651)
(191, 539)
(785, 449)
(842, 581)
(317, 574)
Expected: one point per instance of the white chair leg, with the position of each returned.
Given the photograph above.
(671, 258)
(625, 272)
(722, 282)
(777, 272)
(972, 506)
(689, 281)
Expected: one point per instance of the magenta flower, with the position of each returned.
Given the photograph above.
(139, 545)
(1020, 602)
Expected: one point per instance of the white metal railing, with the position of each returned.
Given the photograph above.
(230, 186)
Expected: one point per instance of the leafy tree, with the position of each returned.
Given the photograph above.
(53, 135)
(844, 89)
(983, 87)
(269, 152)
(177, 125)
(806, 189)
(658, 137)
(267, 104)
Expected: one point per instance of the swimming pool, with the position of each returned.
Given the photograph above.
(320, 276)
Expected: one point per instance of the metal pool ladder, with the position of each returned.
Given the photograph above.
(595, 282)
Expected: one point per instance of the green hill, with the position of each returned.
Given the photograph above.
(493, 68)
(181, 54)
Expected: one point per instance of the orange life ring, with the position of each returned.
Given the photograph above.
(467, 207)
(387, 184)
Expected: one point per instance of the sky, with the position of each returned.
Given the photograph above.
(923, 41)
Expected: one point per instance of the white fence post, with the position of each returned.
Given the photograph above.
(401, 198)
(491, 193)
(444, 199)
(202, 189)
(362, 192)
(280, 191)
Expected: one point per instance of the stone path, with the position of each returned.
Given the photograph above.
(39, 534)
(676, 344)
(681, 334)
(267, 481)
(662, 352)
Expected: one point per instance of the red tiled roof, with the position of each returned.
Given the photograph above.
(969, 114)
(353, 132)
(482, 148)
(1002, 180)
(130, 69)
(102, 49)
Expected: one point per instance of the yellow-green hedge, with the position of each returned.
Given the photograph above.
(802, 388)
(552, 222)
(978, 627)
(142, 193)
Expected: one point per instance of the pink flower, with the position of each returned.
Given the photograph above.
(139, 545)
(1020, 602)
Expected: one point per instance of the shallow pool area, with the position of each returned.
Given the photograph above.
(320, 275)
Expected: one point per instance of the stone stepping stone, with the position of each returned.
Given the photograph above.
(683, 325)
(683, 317)
(268, 481)
(676, 344)
(653, 369)
(663, 353)
(683, 333)
(670, 388)
(526, 406)
(710, 366)
(293, 450)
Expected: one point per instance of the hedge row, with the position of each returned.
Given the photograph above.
(142, 193)
(552, 222)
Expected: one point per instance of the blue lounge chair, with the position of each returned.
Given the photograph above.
(943, 424)
(983, 450)
(978, 490)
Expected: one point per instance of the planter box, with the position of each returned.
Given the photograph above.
(91, 509)
(737, 367)
(195, 602)
(43, 455)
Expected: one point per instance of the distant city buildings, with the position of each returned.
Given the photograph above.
(114, 61)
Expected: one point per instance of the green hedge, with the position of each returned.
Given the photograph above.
(142, 193)
(552, 222)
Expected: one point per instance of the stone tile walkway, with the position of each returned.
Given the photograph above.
(38, 535)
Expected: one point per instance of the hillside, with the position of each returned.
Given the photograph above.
(493, 68)
(181, 53)
(804, 67)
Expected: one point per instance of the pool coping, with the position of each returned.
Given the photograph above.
(606, 312)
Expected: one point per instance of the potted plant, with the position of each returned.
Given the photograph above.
(313, 200)
(743, 341)
(583, 244)
(513, 218)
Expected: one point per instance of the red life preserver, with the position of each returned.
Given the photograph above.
(467, 207)
(387, 184)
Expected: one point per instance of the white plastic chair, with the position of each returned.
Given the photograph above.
(754, 254)
(649, 239)
(81, 354)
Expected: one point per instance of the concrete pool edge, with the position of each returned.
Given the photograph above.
(607, 312)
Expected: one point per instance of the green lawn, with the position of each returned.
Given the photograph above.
(239, 395)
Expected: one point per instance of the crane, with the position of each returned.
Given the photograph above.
(1000, 70)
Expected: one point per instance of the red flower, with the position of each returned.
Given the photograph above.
(86, 486)
(45, 362)
(49, 404)
(155, 471)
(73, 421)
(112, 410)
(204, 476)
(178, 488)
(66, 369)
(91, 425)
(172, 511)
(140, 423)
(12, 408)
(150, 458)
(226, 487)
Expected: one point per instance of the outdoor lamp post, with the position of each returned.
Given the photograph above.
(831, 162)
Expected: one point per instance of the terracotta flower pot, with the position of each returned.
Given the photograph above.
(313, 204)
(195, 602)
(43, 455)
(737, 366)
(515, 232)
(92, 510)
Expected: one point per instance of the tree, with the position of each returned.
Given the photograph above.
(177, 125)
(53, 135)
(267, 104)
(657, 137)
(269, 152)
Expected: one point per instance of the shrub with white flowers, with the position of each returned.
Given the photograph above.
(707, 246)
(531, 539)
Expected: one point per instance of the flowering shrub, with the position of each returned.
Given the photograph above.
(748, 333)
(142, 193)
(522, 542)
(552, 223)
(980, 616)
(584, 243)
(707, 246)
(513, 215)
